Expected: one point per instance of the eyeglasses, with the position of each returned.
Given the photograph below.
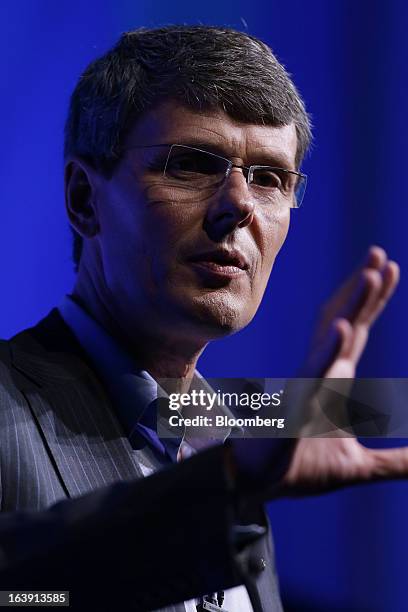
(192, 172)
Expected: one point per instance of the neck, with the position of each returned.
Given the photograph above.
(164, 354)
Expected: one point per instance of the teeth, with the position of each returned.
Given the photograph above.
(224, 263)
(222, 266)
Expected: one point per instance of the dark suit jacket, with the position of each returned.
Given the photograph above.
(115, 540)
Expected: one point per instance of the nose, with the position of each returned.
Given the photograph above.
(232, 207)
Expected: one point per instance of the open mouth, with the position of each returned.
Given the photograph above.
(221, 263)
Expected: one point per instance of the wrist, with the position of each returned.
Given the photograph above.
(256, 467)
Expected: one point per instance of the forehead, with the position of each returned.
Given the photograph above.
(171, 123)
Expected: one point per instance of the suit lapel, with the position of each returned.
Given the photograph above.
(73, 412)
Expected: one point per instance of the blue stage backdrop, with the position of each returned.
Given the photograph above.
(345, 551)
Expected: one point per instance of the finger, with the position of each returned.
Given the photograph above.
(345, 334)
(391, 275)
(340, 365)
(360, 338)
(369, 283)
(379, 292)
(365, 314)
(376, 258)
(370, 292)
(391, 279)
(336, 347)
(359, 301)
(352, 296)
(379, 287)
(362, 301)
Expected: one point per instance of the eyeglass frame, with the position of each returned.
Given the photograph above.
(231, 165)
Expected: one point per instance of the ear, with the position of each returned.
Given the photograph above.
(80, 200)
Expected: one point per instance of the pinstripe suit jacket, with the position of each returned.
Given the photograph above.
(116, 540)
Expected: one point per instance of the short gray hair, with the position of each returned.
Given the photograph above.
(202, 67)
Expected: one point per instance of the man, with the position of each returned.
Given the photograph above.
(183, 147)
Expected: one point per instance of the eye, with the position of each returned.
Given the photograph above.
(271, 178)
(183, 165)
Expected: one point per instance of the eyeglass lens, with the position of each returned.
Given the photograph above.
(189, 170)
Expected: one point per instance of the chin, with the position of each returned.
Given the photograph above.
(220, 315)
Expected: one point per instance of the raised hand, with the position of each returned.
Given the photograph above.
(324, 463)
(317, 464)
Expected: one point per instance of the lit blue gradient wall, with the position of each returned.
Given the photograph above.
(346, 551)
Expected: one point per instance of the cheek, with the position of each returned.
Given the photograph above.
(141, 234)
(124, 249)
(274, 228)
(270, 231)
(166, 227)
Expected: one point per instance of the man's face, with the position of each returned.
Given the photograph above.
(194, 267)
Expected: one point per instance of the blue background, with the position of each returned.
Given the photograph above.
(344, 551)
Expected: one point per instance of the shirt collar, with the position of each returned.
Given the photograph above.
(120, 374)
(132, 389)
